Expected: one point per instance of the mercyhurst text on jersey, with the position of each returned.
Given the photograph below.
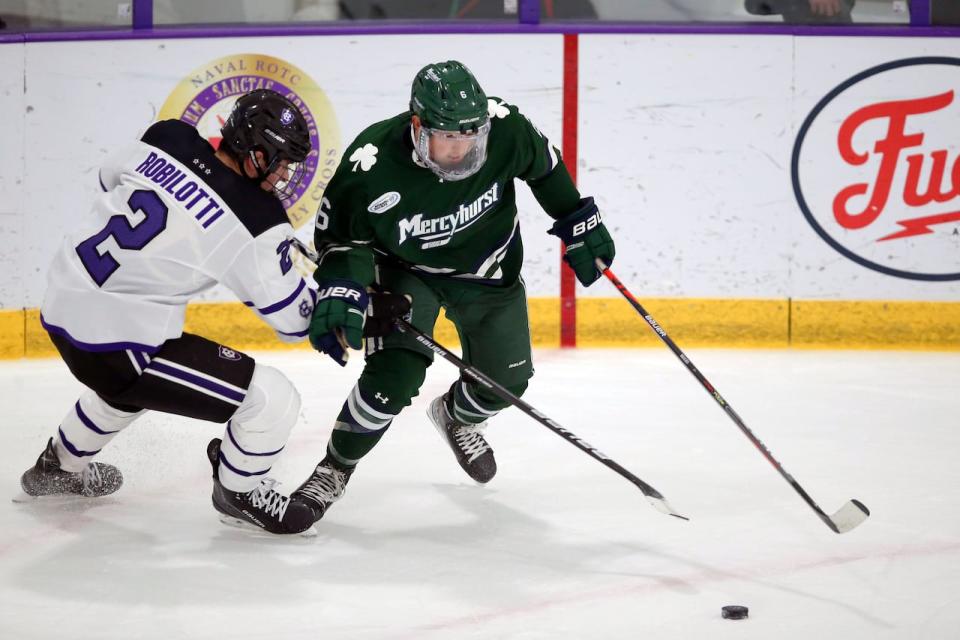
(436, 232)
(383, 201)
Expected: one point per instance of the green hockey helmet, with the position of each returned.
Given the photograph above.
(454, 125)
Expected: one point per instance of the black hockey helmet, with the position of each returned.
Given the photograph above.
(265, 121)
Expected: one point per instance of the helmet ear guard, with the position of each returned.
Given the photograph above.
(265, 121)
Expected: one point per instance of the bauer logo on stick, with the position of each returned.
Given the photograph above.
(876, 170)
(205, 97)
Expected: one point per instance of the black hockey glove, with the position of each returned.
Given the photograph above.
(585, 239)
(337, 322)
(382, 313)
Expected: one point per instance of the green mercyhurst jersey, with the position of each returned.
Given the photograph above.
(382, 201)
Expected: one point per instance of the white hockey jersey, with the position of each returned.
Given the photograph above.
(173, 221)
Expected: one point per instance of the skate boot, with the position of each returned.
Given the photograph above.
(324, 486)
(472, 451)
(46, 478)
(262, 508)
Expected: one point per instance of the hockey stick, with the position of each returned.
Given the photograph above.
(656, 499)
(849, 516)
(653, 496)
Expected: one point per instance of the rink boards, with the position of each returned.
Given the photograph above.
(738, 174)
(610, 322)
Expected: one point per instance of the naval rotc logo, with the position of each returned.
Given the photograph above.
(205, 97)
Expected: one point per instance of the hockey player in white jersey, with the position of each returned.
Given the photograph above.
(175, 219)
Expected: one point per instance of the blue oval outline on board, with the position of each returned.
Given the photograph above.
(795, 161)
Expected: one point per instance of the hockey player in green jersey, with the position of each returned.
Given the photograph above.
(423, 204)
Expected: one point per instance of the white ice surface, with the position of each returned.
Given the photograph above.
(557, 545)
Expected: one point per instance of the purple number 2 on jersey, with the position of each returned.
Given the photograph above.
(283, 250)
(101, 266)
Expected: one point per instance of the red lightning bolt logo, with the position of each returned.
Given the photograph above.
(920, 226)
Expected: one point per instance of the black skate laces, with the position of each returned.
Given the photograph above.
(265, 498)
(326, 484)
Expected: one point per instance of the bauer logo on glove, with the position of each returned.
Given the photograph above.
(346, 313)
(585, 240)
(344, 292)
(337, 322)
(587, 225)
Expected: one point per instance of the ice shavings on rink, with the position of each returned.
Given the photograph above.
(557, 545)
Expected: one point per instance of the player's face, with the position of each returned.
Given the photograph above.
(280, 175)
(452, 155)
(449, 149)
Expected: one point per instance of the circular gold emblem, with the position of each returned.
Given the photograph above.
(205, 97)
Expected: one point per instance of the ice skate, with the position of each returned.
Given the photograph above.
(261, 509)
(324, 487)
(472, 451)
(46, 478)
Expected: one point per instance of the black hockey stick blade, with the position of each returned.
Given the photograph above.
(655, 498)
(848, 517)
(661, 505)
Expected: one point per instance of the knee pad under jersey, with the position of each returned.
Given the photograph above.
(258, 430)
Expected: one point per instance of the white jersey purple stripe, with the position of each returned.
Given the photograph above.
(88, 423)
(233, 440)
(73, 450)
(240, 472)
(277, 306)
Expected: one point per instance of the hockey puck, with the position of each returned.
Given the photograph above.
(734, 612)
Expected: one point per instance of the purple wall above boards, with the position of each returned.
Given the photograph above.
(239, 31)
(528, 21)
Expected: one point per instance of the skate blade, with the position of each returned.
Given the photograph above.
(245, 526)
(51, 498)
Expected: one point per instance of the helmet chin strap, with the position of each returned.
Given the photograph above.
(261, 175)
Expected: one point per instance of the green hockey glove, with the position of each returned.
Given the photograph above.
(337, 322)
(585, 239)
